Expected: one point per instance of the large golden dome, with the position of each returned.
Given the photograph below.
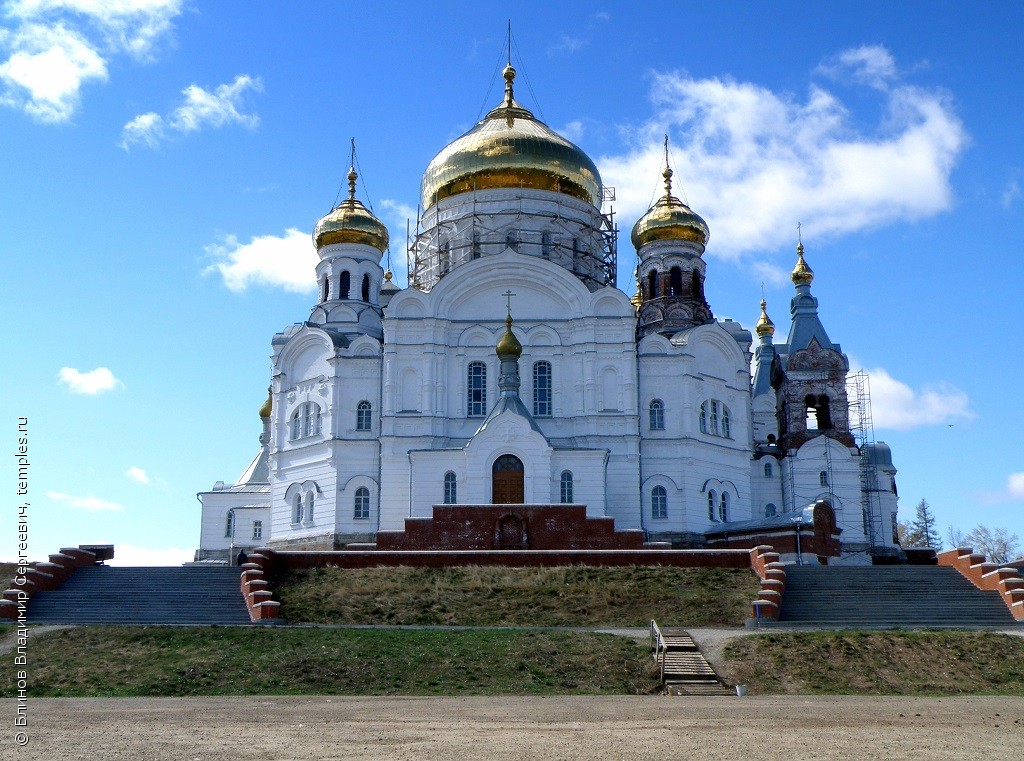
(510, 148)
(351, 222)
(669, 219)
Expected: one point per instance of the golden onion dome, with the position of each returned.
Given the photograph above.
(764, 326)
(511, 148)
(508, 344)
(669, 219)
(268, 406)
(351, 222)
(802, 274)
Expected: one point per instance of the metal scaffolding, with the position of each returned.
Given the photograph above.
(863, 429)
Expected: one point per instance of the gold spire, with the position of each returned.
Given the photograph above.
(802, 274)
(268, 405)
(388, 276)
(352, 177)
(350, 221)
(669, 218)
(764, 326)
(667, 174)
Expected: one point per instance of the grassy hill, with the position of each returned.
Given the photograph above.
(486, 596)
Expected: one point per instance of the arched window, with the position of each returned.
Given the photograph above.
(770, 510)
(476, 244)
(767, 470)
(361, 510)
(566, 488)
(545, 245)
(823, 478)
(229, 527)
(476, 389)
(451, 494)
(308, 515)
(675, 277)
(446, 258)
(713, 422)
(723, 507)
(575, 253)
(656, 415)
(306, 421)
(652, 284)
(711, 505)
(726, 431)
(297, 508)
(324, 288)
(704, 417)
(365, 290)
(344, 284)
(542, 389)
(659, 503)
(715, 419)
(363, 410)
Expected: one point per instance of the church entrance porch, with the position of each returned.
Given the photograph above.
(507, 476)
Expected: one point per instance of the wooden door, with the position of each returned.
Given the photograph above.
(507, 476)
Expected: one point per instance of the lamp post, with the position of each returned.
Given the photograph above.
(798, 521)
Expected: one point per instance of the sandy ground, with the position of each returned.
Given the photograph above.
(276, 729)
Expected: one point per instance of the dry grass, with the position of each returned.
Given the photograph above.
(879, 663)
(497, 596)
(171, 661)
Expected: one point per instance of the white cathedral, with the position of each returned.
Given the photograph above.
(512, 370)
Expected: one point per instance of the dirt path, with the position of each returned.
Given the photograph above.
(317, 729)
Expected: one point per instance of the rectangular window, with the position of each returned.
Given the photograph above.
(257, 529)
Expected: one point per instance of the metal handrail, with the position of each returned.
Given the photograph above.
(658, 645)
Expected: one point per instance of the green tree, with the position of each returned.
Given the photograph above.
(923, 531)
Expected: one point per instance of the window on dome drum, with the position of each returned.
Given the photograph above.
(723, 507)
(566, 488)
(476, 389)
(344, 284)
(363, 410)
(446, 258)
(306, 421)
(575, 253)
(365, 290)
(767, 470)
(545, 245)
(476, 244)
(257, 529)
(229, 526)
(656, 415)
(324, 286)
(823, 478)
(652, 284)
(675, 282)
(770, 510)
(711, 505)
(361, 511)
(659, 503)
(512, 239)
(451, 494)
(542, 389)
(297, 508)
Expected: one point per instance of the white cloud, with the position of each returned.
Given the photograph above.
(1015, 485)
(201, 108)
(897, 406)
(872, 65)
(131, 555)
(572, 131)
(567, 45)
(57, 46)
(137, 474)
(753, 162)
(92, 383)
(286, 261)
(1010, 194)
(90, 503)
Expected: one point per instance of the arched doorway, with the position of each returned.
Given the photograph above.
(511, 533)
(507, 475)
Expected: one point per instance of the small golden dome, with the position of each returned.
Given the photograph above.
(268, 406)
(511, 148)
(351, 222)
(764, 326)
(802, 274)
(669, 219)
(508, 344)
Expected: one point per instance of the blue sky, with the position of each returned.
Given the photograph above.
(164, 162)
